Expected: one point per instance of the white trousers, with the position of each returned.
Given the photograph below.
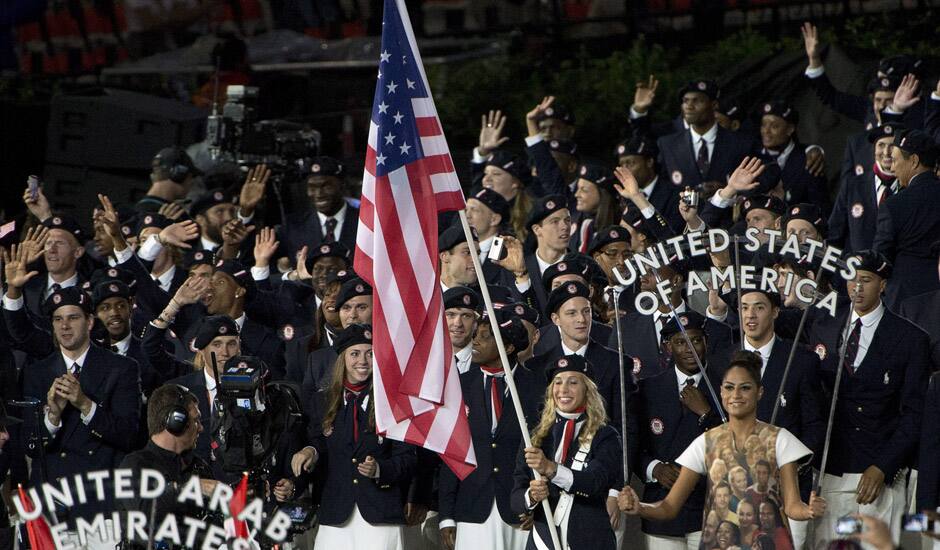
(839, 492)
(492, 534)
(690, 541)
(358, 534)
(799, 530)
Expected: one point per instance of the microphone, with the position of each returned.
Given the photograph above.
(27, 402)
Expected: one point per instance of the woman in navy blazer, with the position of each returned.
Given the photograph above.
(578, 457)
(363, 477)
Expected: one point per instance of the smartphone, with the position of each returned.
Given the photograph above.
(497, 250)
(918, 523)
(33, 183)
(848, 525)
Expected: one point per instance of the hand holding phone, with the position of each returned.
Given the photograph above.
(33, 183)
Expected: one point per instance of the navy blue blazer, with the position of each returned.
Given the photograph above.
(854, 216)
(111, 382)
(798, 184)
(638, 332)
(677, 158)
(908, 223)
(303, 228)
(667, 428)
(536, 297)
(380, 500)
(928, 482)
(588, 523)
(924, 311)
(880, 406)
(471, 500)
(550, 337)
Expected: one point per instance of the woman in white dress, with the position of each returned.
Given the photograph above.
(740, 391)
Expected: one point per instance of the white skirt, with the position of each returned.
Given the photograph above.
(358, 534)
(492, 534)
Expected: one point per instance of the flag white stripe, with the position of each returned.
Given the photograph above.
(415, 243)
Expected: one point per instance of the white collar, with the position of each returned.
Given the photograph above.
(580, 351)
(339, 216)
(648, 190)
(210, 381)
(123, 345)
(485, 246)
(568, 416)
(240, 322)
(465, 353)
(764, 350)
(166, 279)
(208, 245)
(708, 136)
(782, 156)
(871, 318)
(543, 265)
(80, 361)
(681, 377)
(681, 308)
(71, 281)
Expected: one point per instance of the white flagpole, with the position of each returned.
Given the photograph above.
(510, 382)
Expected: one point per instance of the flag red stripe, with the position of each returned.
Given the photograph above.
(428, 126)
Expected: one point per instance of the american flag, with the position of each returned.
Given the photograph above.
(409, 177)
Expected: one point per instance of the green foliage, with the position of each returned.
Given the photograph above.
(599, 89)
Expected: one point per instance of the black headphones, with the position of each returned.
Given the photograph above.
(177, 171)
(177, 418)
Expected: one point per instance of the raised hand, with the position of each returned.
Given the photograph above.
(644, 95)
(191, 291)
(35, 243)
(491, 132)
(532, 117)
(108, 218)
(628, 187)
(253, 189)
(265, 246)
(178, 233)
(811, 44)
(515, 259)
(301, 265)
(171, 211)
(906, 96)
(16, 270)
(744, 177)
(39, 206)
(234, 232)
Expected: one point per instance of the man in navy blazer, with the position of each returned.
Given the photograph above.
(704, 152)
(674, 407)
(482, 498)
(909, 222)
(331, 219)
(863, 191)
(92, 404)
(881, 399)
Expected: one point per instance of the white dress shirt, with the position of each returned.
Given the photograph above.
(661, 318)
(869, 325)
(764, 352)
(71, 281)
(123, 345)
(340, 217)
(580, 351)
(165, 280)
(80, 361)
(463, 358)
(709, 138)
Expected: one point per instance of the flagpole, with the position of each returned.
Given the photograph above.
(504, 358)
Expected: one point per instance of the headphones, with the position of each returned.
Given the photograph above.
(177, 418)
(177, 171)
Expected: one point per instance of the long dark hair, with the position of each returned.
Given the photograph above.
(334, 395)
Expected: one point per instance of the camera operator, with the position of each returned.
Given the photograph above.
(174, 425)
